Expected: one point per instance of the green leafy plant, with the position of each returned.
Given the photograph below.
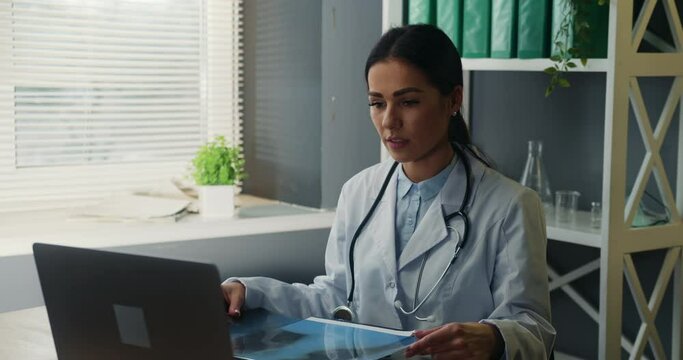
(216, 163)
(576, 19)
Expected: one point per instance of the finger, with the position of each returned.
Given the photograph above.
(410, 352)
(234, 295)
(226, 288)
(422, 333)
(446, 338)
(417, 348)
(235, 304)
(442, 335)
(421, 345)
(457, 344)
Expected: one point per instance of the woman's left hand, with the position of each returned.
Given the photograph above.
(458, 341)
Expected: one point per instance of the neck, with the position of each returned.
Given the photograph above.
(430, 165)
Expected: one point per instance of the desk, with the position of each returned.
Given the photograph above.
(25, 335)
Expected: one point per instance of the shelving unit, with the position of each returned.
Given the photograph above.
(578, 232)
(593, 65)
(616, 239)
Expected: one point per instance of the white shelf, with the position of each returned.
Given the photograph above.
(580, 232)
(593, 65)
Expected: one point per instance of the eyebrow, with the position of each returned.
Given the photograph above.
(397, 92)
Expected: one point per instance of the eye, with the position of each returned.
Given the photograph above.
(376, 104)
(409, 102)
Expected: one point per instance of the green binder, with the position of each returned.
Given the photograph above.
(476, 36)
(598, 19)
(504, 28)
(449, 19)
(533, 32)
(421, 12)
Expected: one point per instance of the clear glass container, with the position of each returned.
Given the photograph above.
(566, 204)
(596, 215)
(535, 176)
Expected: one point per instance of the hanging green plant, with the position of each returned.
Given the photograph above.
(571, 41)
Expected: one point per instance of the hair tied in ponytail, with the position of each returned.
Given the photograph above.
(457, 130)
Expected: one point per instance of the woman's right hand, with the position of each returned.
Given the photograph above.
(234, 295)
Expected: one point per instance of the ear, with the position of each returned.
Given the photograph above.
(455, 98)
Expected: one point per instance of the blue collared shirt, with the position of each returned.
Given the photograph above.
(413, 200)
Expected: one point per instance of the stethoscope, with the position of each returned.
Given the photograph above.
(344, 312)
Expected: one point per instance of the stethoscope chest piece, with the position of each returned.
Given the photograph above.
(343, 313)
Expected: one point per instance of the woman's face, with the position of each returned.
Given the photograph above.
(410, 114)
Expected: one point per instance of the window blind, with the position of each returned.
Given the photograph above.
(99, 97)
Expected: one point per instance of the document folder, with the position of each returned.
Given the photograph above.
(476, 37)
(504, 29)
(534, 29)
(421, 11)
(449, 19)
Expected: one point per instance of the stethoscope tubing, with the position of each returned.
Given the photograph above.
(360, 228)
(417, 306)
(461, 239)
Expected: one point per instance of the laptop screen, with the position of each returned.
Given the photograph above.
(108, 305)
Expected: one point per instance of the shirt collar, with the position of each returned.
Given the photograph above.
(426, 189)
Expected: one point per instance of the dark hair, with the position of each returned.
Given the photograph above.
(429, 49)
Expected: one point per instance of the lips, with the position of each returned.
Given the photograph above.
(395, 142)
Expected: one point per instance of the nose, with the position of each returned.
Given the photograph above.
(391, 118)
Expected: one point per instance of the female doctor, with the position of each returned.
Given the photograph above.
(440, 243)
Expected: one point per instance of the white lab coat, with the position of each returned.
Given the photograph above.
(500, 276)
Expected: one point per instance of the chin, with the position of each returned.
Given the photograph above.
(400, 156)
(403, 155)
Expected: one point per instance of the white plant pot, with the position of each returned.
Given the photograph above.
(217, 201)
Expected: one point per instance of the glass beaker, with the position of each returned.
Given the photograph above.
(596, 215)
(535, 176)
(566, 203)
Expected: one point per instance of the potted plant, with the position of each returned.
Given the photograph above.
(217, 169)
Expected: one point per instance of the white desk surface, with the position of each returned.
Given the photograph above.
(25, 335)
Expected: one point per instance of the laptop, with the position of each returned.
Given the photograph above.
(107, 305)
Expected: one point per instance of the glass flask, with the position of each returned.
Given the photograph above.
(535, 176)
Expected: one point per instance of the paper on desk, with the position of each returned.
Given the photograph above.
(133, 208)
(173, 189)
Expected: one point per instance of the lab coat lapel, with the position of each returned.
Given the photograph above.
(383, 231)
(430, 231)
(432, 228)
